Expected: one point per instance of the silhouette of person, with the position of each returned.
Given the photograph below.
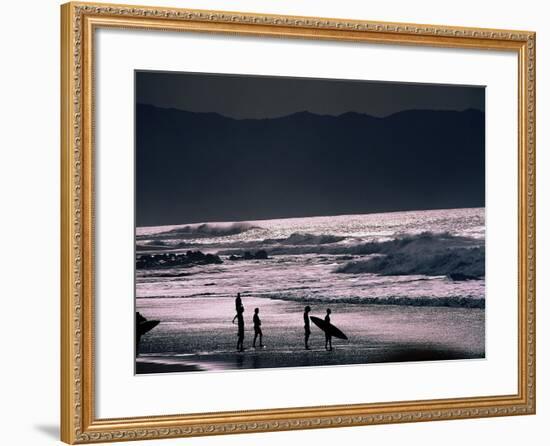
(257, 327)
(240, 330)
(143, 326)
(139, 320)
(307, 329)
(238, 302)
(328, 337)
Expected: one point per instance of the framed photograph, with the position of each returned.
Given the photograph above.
(275, 223)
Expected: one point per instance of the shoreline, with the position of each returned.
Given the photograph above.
(244, 360)
(196, 334)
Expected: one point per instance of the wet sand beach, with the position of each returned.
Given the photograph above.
(196, 334)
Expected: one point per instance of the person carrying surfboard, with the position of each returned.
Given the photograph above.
(257, 328)
(307, 329)
(143, 325)
(328, 336)
(329, 329)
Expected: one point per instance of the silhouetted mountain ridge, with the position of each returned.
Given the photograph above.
(303, 113)
(196, 167)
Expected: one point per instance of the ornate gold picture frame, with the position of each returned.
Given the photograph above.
(79, 423)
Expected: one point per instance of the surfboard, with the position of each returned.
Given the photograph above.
(328, 328)
(145, 326)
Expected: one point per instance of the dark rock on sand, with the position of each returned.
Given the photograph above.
(262, 255)
(190, 258)
(259, 255)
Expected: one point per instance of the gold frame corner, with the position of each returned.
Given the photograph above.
(78, 22)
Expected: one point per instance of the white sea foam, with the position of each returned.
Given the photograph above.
(427, 254)
(402, 258)
(202, 230)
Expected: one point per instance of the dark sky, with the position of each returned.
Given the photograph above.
(233, 148)
(267, 97)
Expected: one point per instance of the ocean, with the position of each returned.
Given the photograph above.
(402, 285)
(321, 258)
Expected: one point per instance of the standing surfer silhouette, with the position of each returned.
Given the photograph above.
(240, 330)
(257, 328)
(238, 302)
(328, 337)
(307, 329)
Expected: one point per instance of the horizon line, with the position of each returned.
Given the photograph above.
(309, 216)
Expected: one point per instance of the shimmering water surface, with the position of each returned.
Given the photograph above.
(306, 253)
(404, 286)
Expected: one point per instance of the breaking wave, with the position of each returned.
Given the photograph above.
(298, 243)
(447, 301)
(425, 254)
(415, 243)
(204, 230)
(299, 238)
